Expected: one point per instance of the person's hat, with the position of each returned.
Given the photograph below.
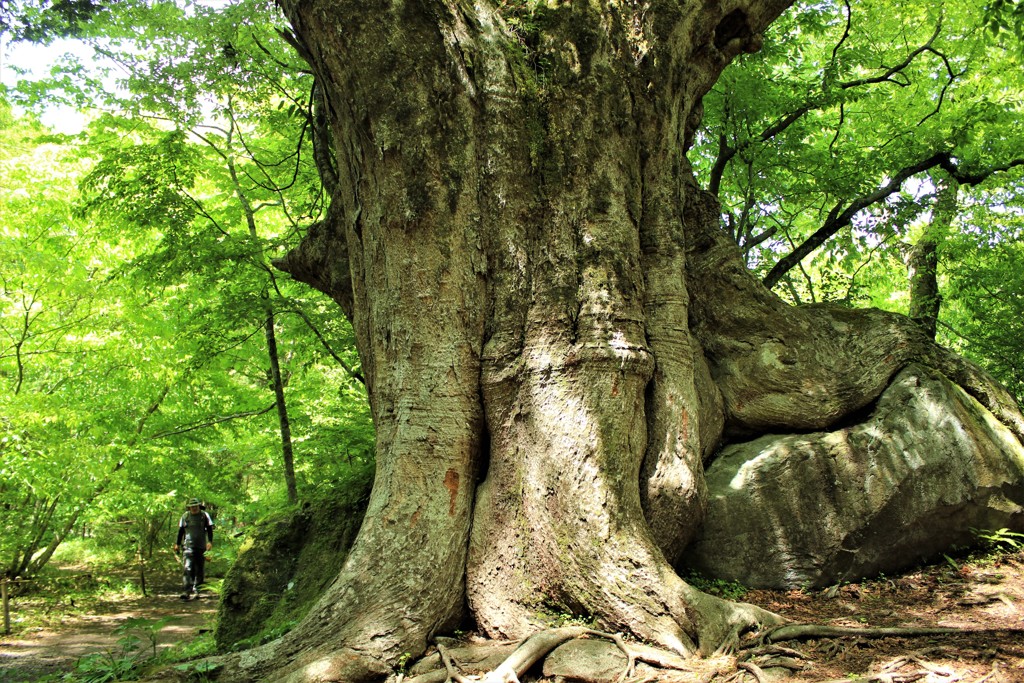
(194, 501)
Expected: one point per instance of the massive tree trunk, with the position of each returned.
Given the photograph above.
(553, 335)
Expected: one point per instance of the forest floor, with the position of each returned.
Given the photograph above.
(97, 633)
(983, 597)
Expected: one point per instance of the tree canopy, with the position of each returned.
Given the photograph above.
(830, 149)
(138, 296)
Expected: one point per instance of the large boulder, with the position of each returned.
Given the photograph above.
(286, 562)
(907, 483)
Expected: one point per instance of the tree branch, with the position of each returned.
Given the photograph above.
(839, 217)
(726, 152)
(213, 421)
(354, 374)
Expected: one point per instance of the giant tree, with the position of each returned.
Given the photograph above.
(553, 330)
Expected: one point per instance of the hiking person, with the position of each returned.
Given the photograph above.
(195, 537)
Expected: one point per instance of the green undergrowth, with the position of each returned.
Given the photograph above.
(61, 591)
(999, 541)
(557, 615)
(83, 578)
(730, 590)
(991, 551)
(990, 548)
(136, 656)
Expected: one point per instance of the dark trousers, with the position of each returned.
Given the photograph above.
(194, 565)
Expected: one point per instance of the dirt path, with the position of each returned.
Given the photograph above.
(38, 652)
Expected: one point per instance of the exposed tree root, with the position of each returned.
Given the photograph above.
(754, 670)
(530, 651)
(723, 622)
(539, 645)
(507, 662)
(771, 656)
(802, 631)
(472, 657)
(890, 672)
(449, 665)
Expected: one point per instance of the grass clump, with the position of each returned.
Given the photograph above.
(729, 590)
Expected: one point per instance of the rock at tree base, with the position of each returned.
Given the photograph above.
(586, 661)
(909, 482)
(286, 563)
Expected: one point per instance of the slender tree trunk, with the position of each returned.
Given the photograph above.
(284, 425)
(270, 335)
(33, 556)
(141, 560)
(923, 261)
(922, 268)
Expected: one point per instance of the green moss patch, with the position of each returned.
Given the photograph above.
(286, 563)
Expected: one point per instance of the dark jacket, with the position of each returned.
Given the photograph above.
(193, 532)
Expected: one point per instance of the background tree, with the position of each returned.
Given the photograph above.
(159, 55)
(246, 183)
(73, 408)
(162, 200)
(43, 20)
(835, 148)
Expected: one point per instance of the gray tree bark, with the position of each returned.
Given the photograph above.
(554, 336)
(923, 260)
